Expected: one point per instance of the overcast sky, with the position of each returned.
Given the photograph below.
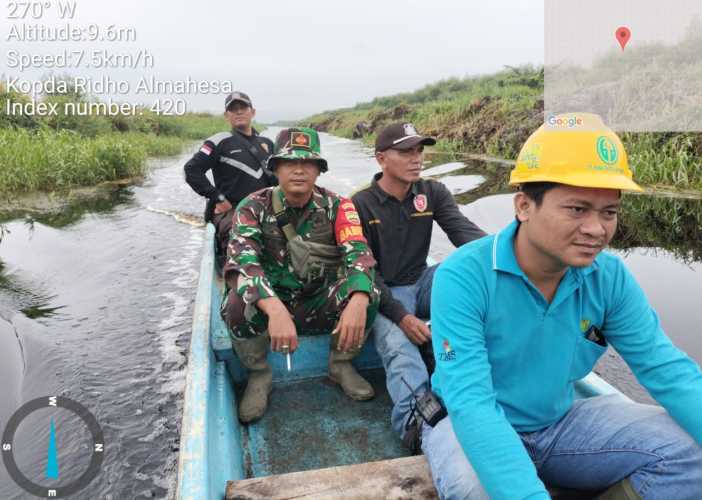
(299, 58)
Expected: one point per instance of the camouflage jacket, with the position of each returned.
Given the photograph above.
(258, 250)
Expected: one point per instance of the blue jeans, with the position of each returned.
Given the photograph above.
(599, 442)
(401, 358)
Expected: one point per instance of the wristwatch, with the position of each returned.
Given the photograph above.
(221, 198)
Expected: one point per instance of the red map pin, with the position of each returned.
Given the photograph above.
(623, 35)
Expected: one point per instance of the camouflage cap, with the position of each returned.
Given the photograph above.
(299, 143)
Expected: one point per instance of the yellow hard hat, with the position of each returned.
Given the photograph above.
(577, 149)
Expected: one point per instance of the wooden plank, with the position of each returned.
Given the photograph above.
(406, 478)
(397, 479)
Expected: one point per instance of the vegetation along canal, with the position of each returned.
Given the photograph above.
(96, 303)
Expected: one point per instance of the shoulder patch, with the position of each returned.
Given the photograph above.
(348, 224)
(217, 138)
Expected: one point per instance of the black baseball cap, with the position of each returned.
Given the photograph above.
(401, 136)
(237, 96)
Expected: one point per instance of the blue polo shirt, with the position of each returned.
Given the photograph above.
(507, 359)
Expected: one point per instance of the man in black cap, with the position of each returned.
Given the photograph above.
(238, 163)
(397, 212)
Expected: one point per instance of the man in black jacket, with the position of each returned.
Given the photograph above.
(397, 213)
(238, 163)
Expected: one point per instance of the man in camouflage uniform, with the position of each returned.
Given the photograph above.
(274, 293)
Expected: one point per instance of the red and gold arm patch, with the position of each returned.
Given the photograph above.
(348, 223)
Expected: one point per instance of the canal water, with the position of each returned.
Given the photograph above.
(96, 305)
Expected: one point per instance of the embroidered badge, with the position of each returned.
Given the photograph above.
(352, 217)
(348, 224)
(409, 129)
(448, 354)
(300, 140)
(420, 202)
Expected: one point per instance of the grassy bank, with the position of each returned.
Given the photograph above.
(47, 160)
(63, 151)
(495, 114)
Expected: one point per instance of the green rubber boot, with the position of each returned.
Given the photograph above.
(342, 372)
(620, 491)
(252, 354)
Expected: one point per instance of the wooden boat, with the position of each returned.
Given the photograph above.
(313, 443)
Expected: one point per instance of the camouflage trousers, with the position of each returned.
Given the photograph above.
(223, 225)
(314, 313)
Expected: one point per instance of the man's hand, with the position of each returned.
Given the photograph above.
(352, 322)
(281, 327)
(415, 329)
(222, 207)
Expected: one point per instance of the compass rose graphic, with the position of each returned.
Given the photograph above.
(51, 473)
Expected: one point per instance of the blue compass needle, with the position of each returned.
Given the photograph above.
(52, 468)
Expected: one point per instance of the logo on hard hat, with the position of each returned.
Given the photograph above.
(607, 150)
(409, 129)
(531, 156)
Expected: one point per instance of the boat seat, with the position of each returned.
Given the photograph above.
(399, 478)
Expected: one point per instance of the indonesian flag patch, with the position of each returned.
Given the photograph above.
(206, 148)
(420, 202)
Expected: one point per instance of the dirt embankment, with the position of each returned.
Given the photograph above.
(486, 125)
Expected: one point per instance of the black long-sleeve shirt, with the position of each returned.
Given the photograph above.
(236, 171)
(399, 233)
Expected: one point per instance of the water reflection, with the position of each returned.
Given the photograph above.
(63, 213)
(673, 224)
(17, 293)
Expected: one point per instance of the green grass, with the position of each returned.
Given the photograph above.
(63, 151)
(47, 160)
(666, 160)
(490, 114)
(495, 114)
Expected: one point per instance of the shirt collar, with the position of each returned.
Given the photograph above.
(504, 259)
(382, 195)
(317, 201)
(254, 133)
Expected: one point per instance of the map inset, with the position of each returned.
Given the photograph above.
(636, 63)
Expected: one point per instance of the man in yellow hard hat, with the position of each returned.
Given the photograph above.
(521, 315)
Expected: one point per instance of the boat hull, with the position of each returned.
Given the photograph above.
(310, 424)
